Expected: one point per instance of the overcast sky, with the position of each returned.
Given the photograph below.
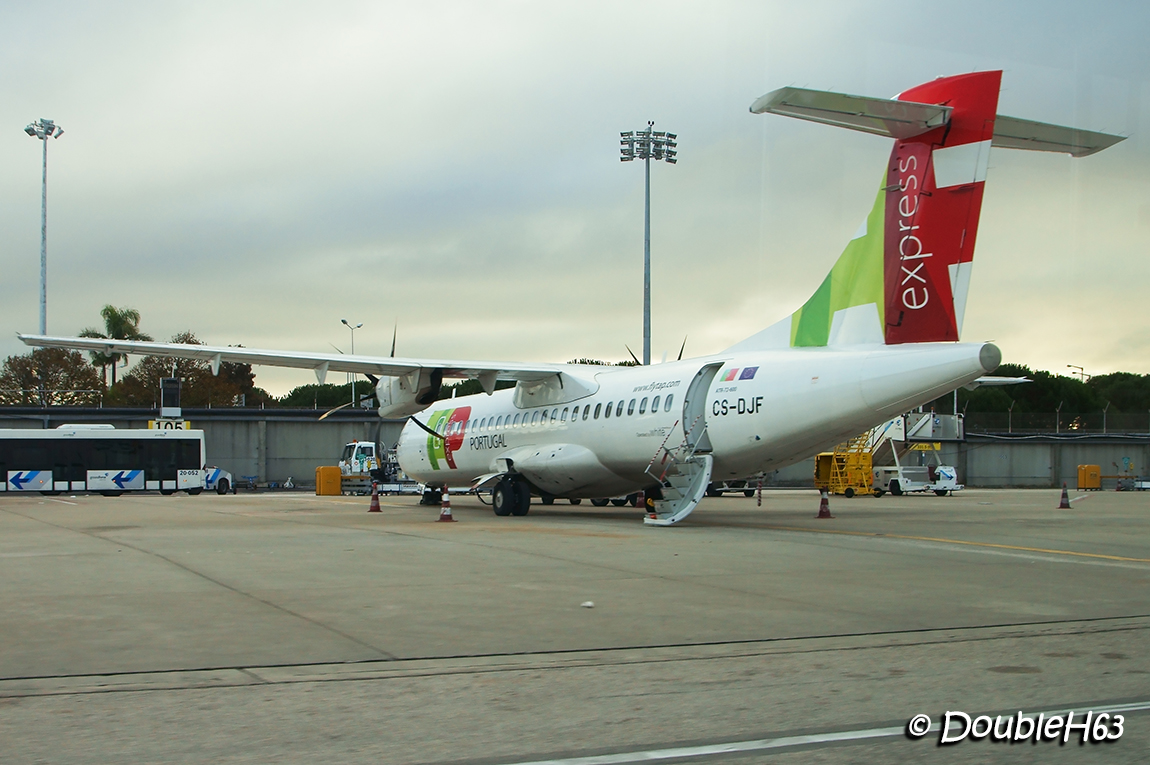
(254, 172)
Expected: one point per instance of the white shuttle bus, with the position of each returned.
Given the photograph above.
(101, 458)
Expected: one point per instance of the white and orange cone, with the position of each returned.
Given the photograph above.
(824, 506)
(374, 508)
(1065, 503)
(445, 508)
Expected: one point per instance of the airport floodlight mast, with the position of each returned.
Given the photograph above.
(647, 145)
(353, 328)
(44, 129)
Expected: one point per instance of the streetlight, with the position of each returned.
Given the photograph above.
(352, 374)
(1081, 372)
(43, 129)
(647, 145)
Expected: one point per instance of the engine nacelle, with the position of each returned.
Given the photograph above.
(404, 396)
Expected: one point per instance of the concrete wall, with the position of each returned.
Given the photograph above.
(273, 444)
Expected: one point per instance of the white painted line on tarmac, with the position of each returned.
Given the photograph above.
(786, 742)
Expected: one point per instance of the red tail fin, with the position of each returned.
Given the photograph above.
(933, 198)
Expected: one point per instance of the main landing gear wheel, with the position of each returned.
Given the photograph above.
(619, 502)
(547, 499)
(522, 499)
(575, 501)
(503, 498)
(600, 502)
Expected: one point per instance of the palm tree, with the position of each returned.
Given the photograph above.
(119, 324)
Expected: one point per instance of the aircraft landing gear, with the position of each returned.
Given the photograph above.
(511, 497)
(432, 496)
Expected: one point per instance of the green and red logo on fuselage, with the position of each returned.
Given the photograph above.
(452, 424)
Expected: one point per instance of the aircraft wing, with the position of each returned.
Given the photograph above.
(320, 363)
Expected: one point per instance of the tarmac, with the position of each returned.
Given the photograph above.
(284, 627)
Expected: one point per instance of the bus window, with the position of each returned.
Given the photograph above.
(643, 406)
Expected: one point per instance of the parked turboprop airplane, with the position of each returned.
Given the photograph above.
(877, 338)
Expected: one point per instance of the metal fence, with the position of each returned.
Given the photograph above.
(1055, 422)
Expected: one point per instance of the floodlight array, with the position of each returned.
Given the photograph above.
(648, 144)
(44, 129)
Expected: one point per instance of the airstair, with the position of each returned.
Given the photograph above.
(684, 473)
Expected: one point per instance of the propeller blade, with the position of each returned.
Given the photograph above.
(682, 348)
(440, 436)
(333, 411)
(633, 355)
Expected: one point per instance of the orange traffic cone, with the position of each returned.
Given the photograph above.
(824, 507)
(1065, 503)
(445, 511)
(374, 508)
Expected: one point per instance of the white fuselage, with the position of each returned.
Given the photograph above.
(752, 411)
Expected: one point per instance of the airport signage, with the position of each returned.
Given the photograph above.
(167, 424)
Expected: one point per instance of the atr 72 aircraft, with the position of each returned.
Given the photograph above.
(877, 338)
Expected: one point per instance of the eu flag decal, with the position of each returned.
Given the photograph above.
(748, 373)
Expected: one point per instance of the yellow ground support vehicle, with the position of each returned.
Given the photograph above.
(848, 469)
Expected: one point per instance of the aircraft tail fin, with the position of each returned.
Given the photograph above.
(903, 277)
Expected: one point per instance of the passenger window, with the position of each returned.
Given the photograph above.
(535, 417)
(667, 403)
(499, 422)
(586, 411)
(515, 422)
(598, 407)
(654, 404)
(554, 415)
(630, 407)
(563, 417)
(608, 412)
(643, 406)
(619, 409)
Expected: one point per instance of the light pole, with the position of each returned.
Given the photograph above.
(647, 145)
(353, 328)
(1081, 372)
(44, 129)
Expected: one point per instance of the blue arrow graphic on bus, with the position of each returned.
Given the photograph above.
(19, 480)
(120, 478)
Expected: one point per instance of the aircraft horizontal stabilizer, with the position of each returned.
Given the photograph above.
(905, 119)
(880, 116)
